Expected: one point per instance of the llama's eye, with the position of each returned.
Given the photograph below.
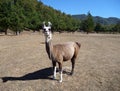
(49, 29)
(44, 29)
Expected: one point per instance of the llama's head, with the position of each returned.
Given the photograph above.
(47, 31)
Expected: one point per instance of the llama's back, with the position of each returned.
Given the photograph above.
(66, 50)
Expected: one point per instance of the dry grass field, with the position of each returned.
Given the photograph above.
(24, 64)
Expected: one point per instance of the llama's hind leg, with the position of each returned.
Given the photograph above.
(60, 70)
(73, 65)
(54, 69)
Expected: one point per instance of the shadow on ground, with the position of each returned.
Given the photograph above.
(40, 74)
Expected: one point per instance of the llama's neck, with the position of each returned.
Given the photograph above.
(49, 48)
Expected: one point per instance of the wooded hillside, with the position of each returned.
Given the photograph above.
(18, 15)
(109, 25)
(101, 20)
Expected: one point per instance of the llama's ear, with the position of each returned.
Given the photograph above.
(49, 24)
(44, 24)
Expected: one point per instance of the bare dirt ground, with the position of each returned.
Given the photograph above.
(24, 64)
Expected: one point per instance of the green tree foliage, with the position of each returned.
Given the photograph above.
(99, 28)
(116, 28)
(88, 24)
(21, 14)
(104, 25)
(4, 15)
(98, 19)
(84, 25)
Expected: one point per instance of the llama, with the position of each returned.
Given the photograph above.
(60, 52)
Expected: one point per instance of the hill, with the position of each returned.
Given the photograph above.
(98, 19)
(18, 15)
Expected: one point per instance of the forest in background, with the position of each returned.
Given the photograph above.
(101, 20)
(109, 25)
(20, 15)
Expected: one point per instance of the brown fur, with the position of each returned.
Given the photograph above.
(65, 52)
(60, 52)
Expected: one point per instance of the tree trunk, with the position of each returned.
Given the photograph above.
(5, 31)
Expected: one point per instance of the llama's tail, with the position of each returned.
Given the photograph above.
(78, 44)
(77, 47)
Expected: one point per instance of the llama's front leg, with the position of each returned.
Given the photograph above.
(60, 70)
(61, 76)
(54, 70)
(54, 74)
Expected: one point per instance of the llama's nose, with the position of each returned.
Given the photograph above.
(46, 33)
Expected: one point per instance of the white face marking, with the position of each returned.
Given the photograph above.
(47, 32)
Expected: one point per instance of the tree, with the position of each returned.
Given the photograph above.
(88, 24)
(11, 16)
(4, 15)
(29, 14)
(84, 25)
(116, 28)
(98, 28)
(17, 18)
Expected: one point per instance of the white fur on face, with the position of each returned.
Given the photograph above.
(47, 32)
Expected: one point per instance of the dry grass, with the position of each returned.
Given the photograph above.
(24, 64)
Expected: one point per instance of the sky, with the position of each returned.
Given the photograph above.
(103, 8)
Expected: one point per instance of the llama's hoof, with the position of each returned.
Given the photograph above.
(54, 78)
(60, 81)
(71, 73)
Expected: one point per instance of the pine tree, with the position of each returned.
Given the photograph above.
(98, 28)
(90, 23)
(29, 14)
(87, 25)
